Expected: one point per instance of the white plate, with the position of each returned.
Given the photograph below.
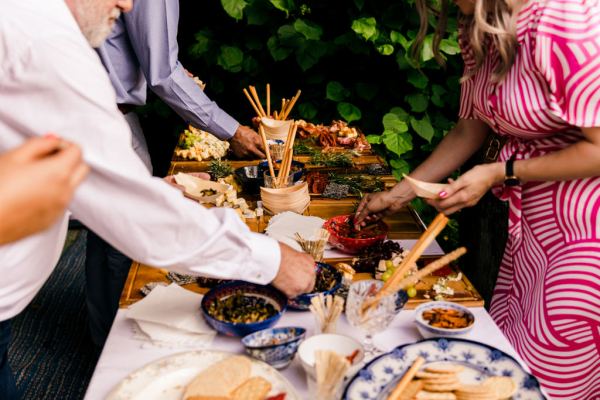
(166, 379)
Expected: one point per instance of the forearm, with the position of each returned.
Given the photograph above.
(452, 152)
(580, 160)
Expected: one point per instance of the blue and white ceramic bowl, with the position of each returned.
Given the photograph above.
(302, 302)
(277, 346)
(268, 293)
(428, 331)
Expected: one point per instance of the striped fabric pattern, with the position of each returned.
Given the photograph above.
(547, 297)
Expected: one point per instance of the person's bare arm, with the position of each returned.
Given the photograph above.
(580, 160)
(37, 181)
(456, 148)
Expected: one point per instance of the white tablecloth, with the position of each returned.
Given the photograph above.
(123, 355)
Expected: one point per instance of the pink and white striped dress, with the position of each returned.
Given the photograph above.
(547, 297)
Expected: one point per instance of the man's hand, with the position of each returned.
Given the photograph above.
(37, 181)
(296, 272)
(247, 144)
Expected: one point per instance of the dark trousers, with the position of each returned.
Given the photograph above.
(106, 271)
(8, 387)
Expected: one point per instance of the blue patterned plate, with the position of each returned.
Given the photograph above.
(379, 377)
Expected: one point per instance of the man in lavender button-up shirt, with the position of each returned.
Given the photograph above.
(142, 53)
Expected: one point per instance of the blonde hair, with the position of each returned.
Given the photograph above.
(493, 20)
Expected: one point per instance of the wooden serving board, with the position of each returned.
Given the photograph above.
(140, 275)
(203, 166)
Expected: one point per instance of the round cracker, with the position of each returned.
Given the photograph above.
(475, 389)
(433, 375)
(426, 395)
(441, 387)
(503, 386)
(446, 368)
(451, 381)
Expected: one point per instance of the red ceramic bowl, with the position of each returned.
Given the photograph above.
(336, 227)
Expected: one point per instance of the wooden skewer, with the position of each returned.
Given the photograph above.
(392, 284)
(432, 267)
(268, 100)
(267, 151)
(408, 376)
(286, 155)
(252, 103)
(257, 99)
(290, 151)
(291, 104)
(275, 115)
(283, 103)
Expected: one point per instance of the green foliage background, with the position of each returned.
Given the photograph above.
(350, 58)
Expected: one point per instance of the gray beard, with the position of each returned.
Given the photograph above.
(94, 27)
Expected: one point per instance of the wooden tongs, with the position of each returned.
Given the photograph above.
(399, 280)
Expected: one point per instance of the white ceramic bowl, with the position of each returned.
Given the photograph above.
(428, 331)
(341, 344)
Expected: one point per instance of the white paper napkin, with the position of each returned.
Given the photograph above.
(284, 226)
(171, 314)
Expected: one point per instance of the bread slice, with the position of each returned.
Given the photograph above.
(219, 380)
(255, 388)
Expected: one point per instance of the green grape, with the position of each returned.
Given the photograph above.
(411, 291)
(389, 264)
(386, 275)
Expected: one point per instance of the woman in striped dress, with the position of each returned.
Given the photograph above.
(532, 75)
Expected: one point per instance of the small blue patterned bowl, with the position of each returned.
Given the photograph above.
(428, 331)
(302, 302)
(276, 347)
(268, 293)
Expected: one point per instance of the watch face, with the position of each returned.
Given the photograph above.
(511, 182)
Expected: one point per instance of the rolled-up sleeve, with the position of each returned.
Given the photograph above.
(152, 29)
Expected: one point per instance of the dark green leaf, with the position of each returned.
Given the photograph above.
(423, 127)
(309, 29)
(401, 113)
(399, 167)
(450, 47)
(393, 123)
(277, 51)
(366, 90)
(336, 91)
(418, 102)
(309, 53)
(250, 66)
(235, 8)
(397, 143)
(349, 112)
(427, 50)
(418, 79)
(399, 38)
(256, 15)
(283, 5)
(374, 139)
(365, 27)
(202, 44)
(230, 58)
(359, 4)
(288, 36)
(386, 49)
(437, 96)
(307, 111)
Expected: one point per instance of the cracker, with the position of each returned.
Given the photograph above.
(443, 379)
(474, 389)
(502, 386)
(426, 395)
(445, 368)
(441, 387)
(255, 388)
(433, 375)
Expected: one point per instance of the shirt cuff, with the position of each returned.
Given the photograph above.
(223, 125)
(265, 256)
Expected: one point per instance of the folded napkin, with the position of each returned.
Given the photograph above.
(170, 316)
(284, 226)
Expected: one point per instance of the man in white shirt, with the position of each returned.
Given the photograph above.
(52, 80)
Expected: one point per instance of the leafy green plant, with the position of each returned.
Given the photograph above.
(350, 58)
